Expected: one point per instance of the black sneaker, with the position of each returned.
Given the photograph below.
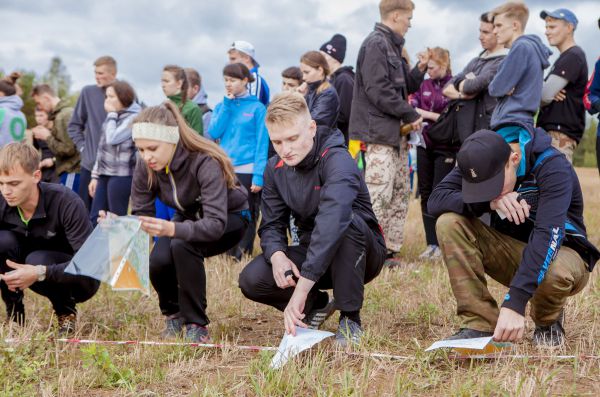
(550, 335)
(196, 333)
(317, 317)
(173, 326)
(468, 333)
(349, 332)
(66, 325)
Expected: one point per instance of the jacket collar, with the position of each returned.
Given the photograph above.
(396, 39)
(179, 157)
(13, 217)
(59, 107)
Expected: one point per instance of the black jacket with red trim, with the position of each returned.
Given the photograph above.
(323, 193)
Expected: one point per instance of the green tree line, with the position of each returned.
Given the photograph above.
(56, 76)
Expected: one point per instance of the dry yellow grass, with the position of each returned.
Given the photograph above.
(405, 311)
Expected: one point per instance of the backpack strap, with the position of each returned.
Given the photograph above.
(543, 156)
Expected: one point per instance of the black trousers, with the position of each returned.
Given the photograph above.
(85, 177)
(63, 293)
(247, 243)
(177, 271)
(432, 167)
(358, 260)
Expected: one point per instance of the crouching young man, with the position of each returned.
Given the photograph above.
(341, 246)
(41, 227)
(539, 251)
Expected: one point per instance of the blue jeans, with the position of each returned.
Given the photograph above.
(112, 194)
(70, 180)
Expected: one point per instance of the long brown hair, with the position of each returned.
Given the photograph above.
(179, 74)
(316, 60)
(168, 114)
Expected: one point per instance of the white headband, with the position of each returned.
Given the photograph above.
(156, 132)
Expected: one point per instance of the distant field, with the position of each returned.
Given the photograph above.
(404, 312)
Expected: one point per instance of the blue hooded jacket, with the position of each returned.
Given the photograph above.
(12, 121)
(239, 125)
(551, 186)
(518, 83)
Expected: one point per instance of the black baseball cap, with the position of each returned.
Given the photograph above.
(482, 159)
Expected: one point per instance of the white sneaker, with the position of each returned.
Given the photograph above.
(436, 254)
(428, 252)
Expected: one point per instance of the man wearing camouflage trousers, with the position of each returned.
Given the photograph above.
(379, 109)
(536, 245)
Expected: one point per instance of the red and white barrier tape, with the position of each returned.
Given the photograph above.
(220, 346)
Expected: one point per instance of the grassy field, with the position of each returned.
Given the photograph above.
(405, 311)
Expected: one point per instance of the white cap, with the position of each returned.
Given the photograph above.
(245, 47)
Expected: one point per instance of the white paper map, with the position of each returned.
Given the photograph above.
(473, 343)
(292, 345)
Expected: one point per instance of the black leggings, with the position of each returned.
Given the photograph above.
(177, 271)
(358, 260)
(64, 293)
(247, 243)
(432, 167)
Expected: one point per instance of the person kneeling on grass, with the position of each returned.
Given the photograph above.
(42, 225)
(341, 244)
(540, 250)
(193, 175)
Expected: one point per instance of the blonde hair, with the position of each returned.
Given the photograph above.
(386, 7)
(286, 108)
(513, 10)
(20, 153)
(441, 56)
(106, 60)
(168, 114)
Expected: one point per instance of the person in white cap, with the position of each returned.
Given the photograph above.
(243, 52)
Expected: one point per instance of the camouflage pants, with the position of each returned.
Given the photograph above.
(564, 143)
(387, 177)
(472, 249)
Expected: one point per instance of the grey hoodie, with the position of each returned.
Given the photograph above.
(12, 120)
(518, 83)
(201, 99)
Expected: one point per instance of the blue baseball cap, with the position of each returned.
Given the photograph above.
(561, 13)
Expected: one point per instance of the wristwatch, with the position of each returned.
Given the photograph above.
(41, 272)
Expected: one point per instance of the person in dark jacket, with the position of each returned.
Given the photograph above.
(472, 83)
(341, 77)
(536, 245)
(379, 109)
(321, 97)
(434, 161)
(591, 101)
(85, 126)
(341, 244)
(42, 226)
(193, 175)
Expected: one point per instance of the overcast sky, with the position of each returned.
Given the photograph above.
(145, 35)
